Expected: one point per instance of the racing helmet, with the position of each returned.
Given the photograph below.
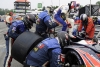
(73, 6)
(84, 19)
(49, 10)
(63, 37)
(29, 19)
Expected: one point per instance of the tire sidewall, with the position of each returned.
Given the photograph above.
(73, 52)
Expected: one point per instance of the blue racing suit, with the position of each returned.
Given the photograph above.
(98, 21)
(16, 28)
(58, 18)
(75, 31)
(45, 23)
(47, 50)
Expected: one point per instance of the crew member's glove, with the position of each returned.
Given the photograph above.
(82, 34)
(69, 25)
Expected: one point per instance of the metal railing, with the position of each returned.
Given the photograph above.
(97, 31)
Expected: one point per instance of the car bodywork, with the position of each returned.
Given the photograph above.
(87, 51)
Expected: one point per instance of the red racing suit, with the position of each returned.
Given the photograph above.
(89, 28)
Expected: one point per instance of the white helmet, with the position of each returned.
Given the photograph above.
(64, 9)
(84, 18)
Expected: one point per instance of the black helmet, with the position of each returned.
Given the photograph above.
(84, 19)
(49, 10)
(63, 37)
(29, 19)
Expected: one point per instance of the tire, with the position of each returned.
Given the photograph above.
(23, 44)
(73, 59)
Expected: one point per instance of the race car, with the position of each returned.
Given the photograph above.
(81, 53)
(78, 52)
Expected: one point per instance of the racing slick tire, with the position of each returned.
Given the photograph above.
(73, 59)
(23, 44)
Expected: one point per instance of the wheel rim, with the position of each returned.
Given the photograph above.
(73, 59)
